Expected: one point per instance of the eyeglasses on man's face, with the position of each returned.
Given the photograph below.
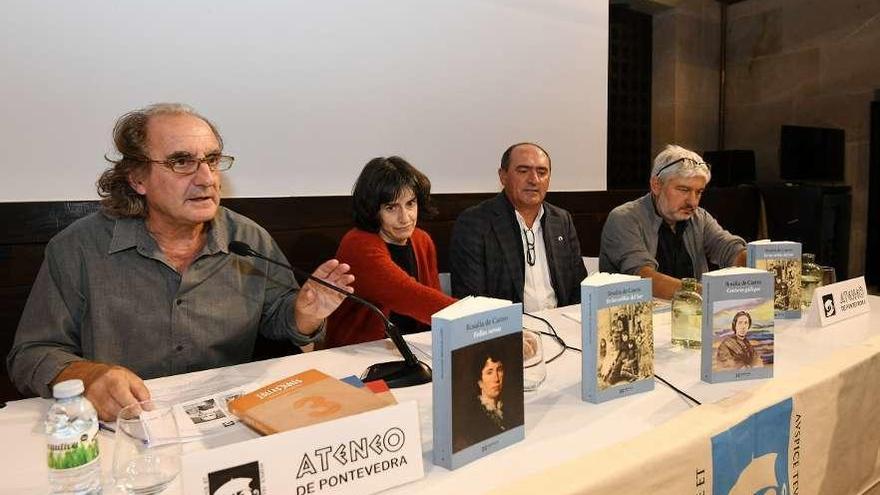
(530, 246)
(188, 165)
(687, 161)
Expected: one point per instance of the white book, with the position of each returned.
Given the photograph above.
(478, 379)
(783, 260)
(738, 325)
(618, 336)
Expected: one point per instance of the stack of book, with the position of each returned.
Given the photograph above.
(307, 398)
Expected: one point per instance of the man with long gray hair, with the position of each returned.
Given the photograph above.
(665, 235)
(147, 287)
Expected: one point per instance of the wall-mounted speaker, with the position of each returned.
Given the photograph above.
(872, 249)
(816, 216)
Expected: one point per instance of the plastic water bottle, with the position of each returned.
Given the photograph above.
(72, 441)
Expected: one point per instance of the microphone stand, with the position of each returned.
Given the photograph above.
(396, 374)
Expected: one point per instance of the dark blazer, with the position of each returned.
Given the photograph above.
(486, 252)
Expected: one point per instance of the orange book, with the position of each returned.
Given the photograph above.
(300, 400)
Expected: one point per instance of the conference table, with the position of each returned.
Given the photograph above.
(653, 442)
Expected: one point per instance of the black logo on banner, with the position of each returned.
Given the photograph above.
(237, 480)
(828, 305)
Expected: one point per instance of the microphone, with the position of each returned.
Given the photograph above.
(396, 374)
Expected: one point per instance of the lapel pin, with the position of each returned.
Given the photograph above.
(559, 238)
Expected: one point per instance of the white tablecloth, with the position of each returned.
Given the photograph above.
(561, 430)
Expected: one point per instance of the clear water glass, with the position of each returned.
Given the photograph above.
(829, 275)
(687, 315)
(146, 458)
(534, 367)
(811, 277)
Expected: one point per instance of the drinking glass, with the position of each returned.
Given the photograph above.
(829, 275)
(534, 367)
(811, 277)
(147, 451)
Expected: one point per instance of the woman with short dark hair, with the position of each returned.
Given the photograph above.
(394, 262)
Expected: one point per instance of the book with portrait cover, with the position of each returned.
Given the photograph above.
(618, 336)
(300, 400)
(478, 379)
(737, 325)
(783, 260)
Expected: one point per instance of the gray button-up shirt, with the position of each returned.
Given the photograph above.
(629, 239)
(107, 293)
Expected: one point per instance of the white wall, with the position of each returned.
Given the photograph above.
(305, 92)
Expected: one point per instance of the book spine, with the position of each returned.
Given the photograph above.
(706, 349)
(441, 392)
(798, 250)
(261, 427)
(588, 331)
(771, 283)
(649, 289)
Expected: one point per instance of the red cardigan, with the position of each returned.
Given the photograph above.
(379, 280)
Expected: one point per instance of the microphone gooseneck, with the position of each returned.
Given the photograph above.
(397, 374)
(243, 249)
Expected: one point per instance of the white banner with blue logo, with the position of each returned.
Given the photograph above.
(814, 433)
(752, 457)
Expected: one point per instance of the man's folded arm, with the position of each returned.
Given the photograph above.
(622, 247)
(299, 313)
(722, 248)
(48, 338)
(278, 321)
(108, 387)
(662, 285)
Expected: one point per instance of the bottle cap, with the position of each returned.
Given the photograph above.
(68, 388)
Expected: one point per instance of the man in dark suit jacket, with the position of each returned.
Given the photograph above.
(516, 246)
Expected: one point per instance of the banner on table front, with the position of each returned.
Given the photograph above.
(359, 454)
(752, 457)
(810, 433)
